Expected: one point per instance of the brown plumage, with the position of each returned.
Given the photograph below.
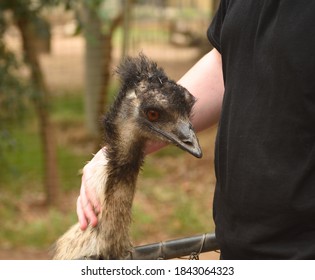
(149, 106)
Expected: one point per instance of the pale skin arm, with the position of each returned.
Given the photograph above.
(205, 81)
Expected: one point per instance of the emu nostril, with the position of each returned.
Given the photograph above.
(184, 132)
(188, 142)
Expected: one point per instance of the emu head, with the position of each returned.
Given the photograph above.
(151, 106)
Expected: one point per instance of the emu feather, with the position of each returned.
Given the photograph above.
(149, 106)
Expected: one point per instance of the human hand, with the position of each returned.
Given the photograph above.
(88, 204)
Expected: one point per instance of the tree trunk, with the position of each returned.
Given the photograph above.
(51, 179)
(126, 27)
(98, 61)
(93, 67)
(107, 44)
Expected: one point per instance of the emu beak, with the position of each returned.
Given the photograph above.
(184, 137)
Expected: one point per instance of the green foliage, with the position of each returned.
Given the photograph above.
(12, 87)
(15, 89)
(13, 93)
(93, 4)
(28, 7)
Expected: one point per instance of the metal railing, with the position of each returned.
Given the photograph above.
(188, 246)
(191, 246)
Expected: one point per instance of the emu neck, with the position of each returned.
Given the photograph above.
(125, 157)
(123, 166)
(125, 154)
(123, 144)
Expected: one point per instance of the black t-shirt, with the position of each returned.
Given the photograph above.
(264, 205)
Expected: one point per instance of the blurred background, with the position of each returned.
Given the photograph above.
(57, 59)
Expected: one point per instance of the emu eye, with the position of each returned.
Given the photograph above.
(152, 115)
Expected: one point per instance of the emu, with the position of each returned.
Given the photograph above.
(149, 106)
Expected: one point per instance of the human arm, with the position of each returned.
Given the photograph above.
(205, 81)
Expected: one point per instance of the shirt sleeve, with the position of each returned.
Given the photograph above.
(214, 30)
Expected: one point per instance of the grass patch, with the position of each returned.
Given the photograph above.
(69, 106)
(40, 232)
(144, 221)
(25, 165)
(24, 162)
(185, 218)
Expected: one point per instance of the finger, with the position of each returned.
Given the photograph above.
(93, 200)
(86, 207)
(90, 214)
(90, 193)
(89, 196)
(81, 216)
